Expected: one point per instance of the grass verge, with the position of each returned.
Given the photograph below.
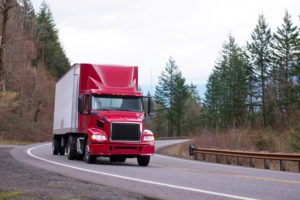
(14, 142)
(7, 195)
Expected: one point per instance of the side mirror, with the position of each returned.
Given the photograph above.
(80, 104)
(150, 106)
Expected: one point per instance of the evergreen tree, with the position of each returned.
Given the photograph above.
(213, 99)
(194, 93)
(50, 49)
(260, 53)
(193, 110)
(164, 92)
(227, 88)
(285, 69)
(28, 15)
(170, 96)
(178, 111)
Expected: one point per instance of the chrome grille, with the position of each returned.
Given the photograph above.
(125, 132)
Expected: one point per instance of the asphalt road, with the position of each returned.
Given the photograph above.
(170, 178)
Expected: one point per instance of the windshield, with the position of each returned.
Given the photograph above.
(124, 103)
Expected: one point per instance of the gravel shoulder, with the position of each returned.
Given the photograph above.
(34, 183)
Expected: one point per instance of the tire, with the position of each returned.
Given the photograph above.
(62, 147)
(62, 151)
(79, 156)
(55, 146)
(87, 156)
(143, 160)
(71, 148)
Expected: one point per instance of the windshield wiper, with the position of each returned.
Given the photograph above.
(128, 110)
(105, 109)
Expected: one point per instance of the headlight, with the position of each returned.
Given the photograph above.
(149, 138)
(99, 137)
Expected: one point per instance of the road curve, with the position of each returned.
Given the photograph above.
(168, 177)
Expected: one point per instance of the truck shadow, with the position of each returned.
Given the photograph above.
(106, 161)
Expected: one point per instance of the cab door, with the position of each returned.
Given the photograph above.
(84, 111)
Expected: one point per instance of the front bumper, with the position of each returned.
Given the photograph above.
(122, 149)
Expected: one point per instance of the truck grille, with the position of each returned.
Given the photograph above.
(125, 132)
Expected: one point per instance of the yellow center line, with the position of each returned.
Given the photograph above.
(277, 180)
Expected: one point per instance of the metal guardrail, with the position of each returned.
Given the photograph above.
(172, 138)
(194, 151)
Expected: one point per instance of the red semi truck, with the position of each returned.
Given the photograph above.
(100, 112)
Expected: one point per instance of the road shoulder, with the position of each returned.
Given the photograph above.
(36, 183)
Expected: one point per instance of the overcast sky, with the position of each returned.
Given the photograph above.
(147, 32)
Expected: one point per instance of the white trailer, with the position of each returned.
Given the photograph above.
(66, 102)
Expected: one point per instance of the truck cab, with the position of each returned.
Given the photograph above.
(109, 115)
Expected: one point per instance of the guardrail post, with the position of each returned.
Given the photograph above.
(203, 157)
(238, 161)
(282, 165)
(195, 156)
(299, 166)
(191, 149)
(217, 159)
(252, 162)
(266, 164)
(227, 160)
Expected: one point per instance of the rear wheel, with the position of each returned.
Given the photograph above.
(143, 160)
(62, 150)
(62, 147)
(79, 156)
(71, 148)
(55, 146)
(87, 156)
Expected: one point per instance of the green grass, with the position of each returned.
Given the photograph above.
(14, 142)
(9, 195)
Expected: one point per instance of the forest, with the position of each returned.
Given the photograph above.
(252, 99)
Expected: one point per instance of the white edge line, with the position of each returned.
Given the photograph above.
(136, 179)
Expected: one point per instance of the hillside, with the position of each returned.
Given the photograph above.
(27, 75)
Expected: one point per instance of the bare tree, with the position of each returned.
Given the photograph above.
(5, 7)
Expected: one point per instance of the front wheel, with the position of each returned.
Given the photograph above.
(87, 156)
(143, 160)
